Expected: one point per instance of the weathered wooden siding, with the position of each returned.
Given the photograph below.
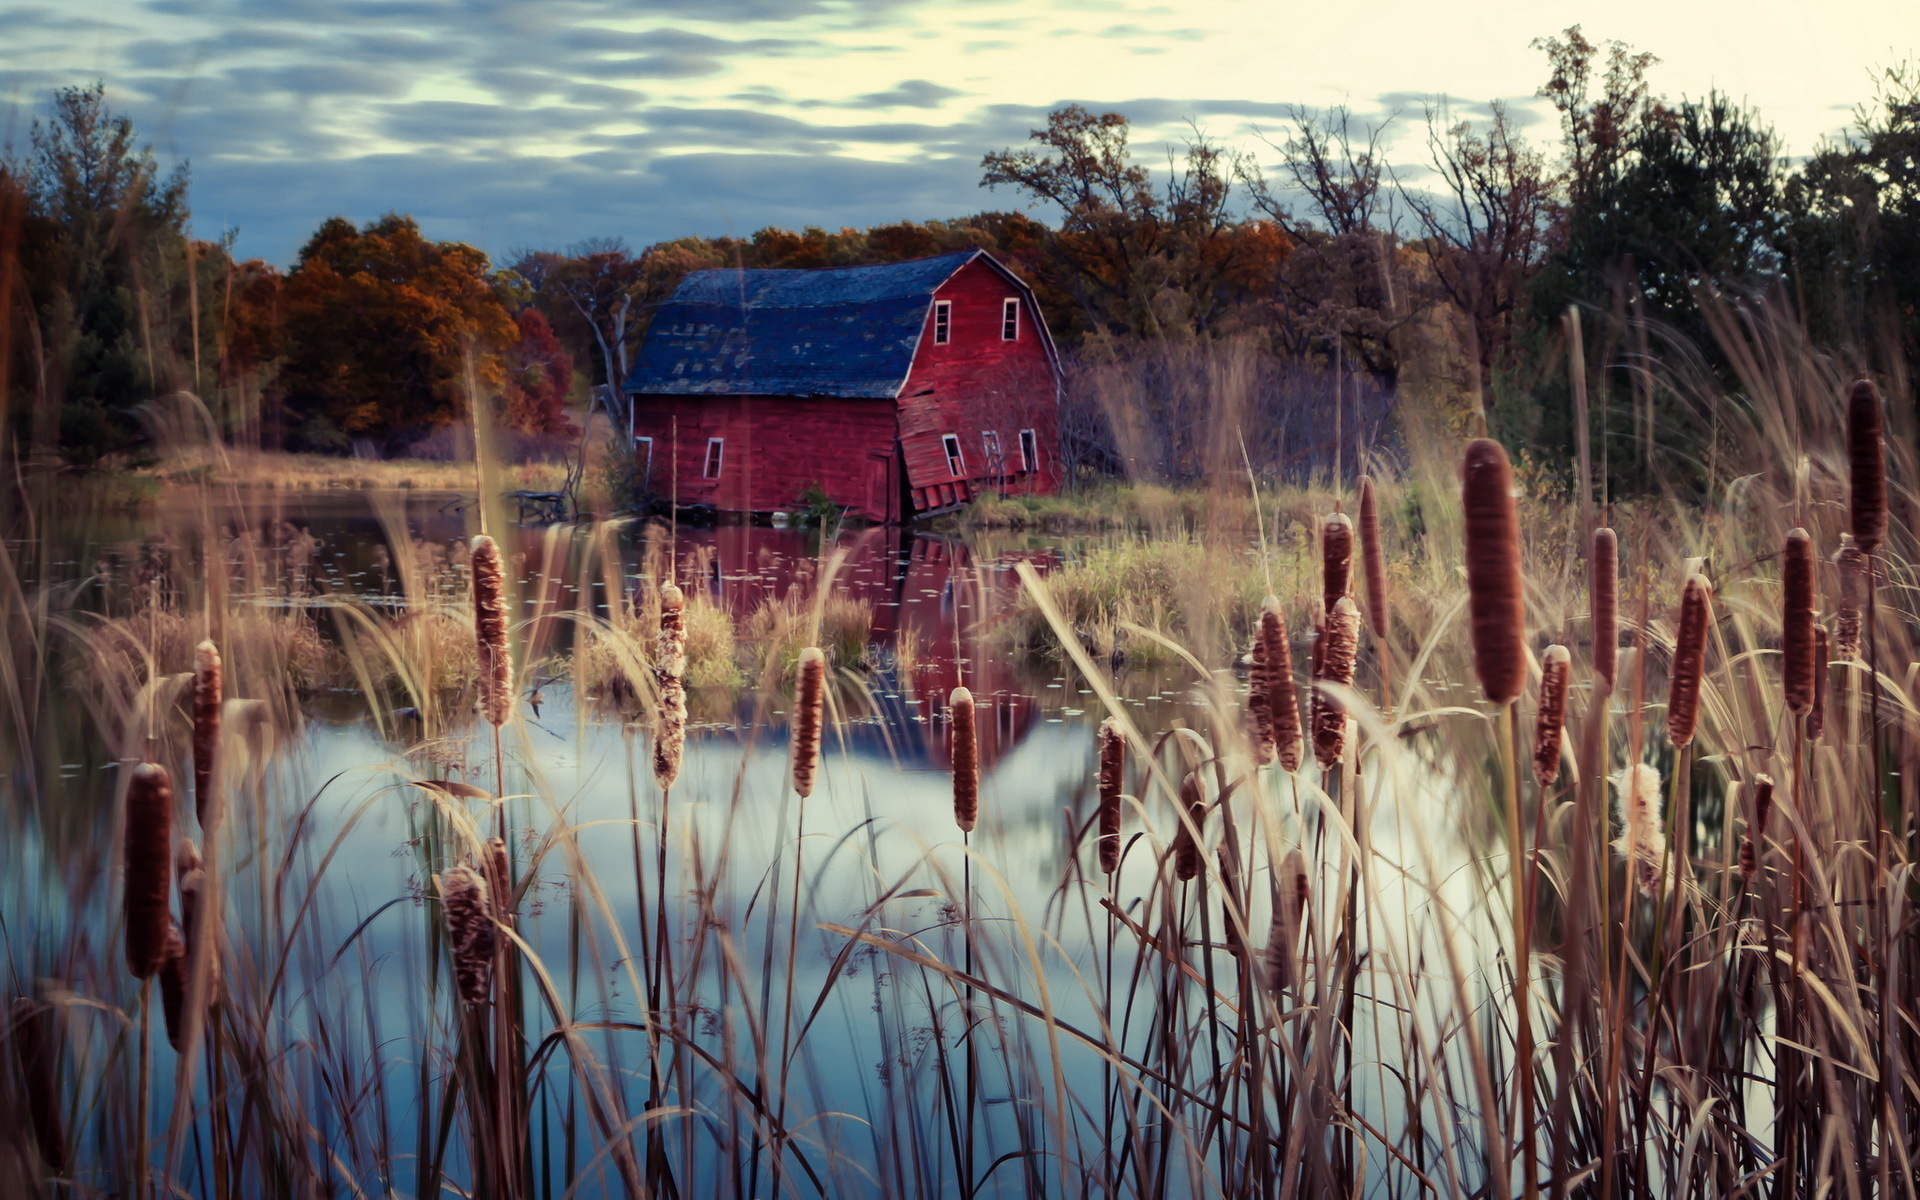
(775, 448)
(974, 384)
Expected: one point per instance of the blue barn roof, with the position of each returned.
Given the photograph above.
(841, 331)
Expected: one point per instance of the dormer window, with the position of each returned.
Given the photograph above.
(1010, 320)
(942, 322)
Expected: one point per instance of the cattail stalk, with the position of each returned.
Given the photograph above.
(1550, 723)
(1282, 704)
(1755, 843)
(1336, 559)
(1340, 642)
(1689, 661)
(1604, 603)
(1496, 590)
(1867, 467)
(1113, 761)
(1186, 842)
(35, 1038)
(809, 709)
(1850, 565)
(1373, 557)
(1817, 715)
(149, 867)
(1642, 844)
(490, 631)
(966, 760)
(1289, 914)
(206, 731)
(669, 672)
(469, 913)
(1796, 621)
(173, 986)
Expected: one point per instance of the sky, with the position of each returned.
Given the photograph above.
(540, 123)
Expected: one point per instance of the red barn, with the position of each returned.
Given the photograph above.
(899, 389)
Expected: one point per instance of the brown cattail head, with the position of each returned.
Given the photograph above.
(1289, 915)
(173, 985)
(1689, 661)
(1260, 699)
(490, 631)
(1373, 556)
(1496, 591)
(966, 760)
(206, 731)
(193, 927)
(149, 867)
(1282, 703)
(1796, 621)
(499, 871)
(1851, 567)
(1642, 843)
(1604, 598)
(35, 1037)
(669, 671)
(469, 912)
(809, 710)
(1550, 724)
(1817, 715)
(1113, 763)
(1867, 466)
(1339, 644)
(1186, 846)
(1755, 843)
(1336, 559)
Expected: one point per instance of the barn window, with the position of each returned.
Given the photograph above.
(942, 322)
(716, 448)
(956, 465)
(1029, 451)
(990, 442)
(643, 459)
(1010, 320)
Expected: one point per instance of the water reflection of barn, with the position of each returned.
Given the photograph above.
(935, 604)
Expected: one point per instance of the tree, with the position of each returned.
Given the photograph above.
(538, 379)
(1595, 129)
(387, 332)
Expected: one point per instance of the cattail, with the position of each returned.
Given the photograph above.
(1851, 567)
(1336, 559)
(1867, 465)
(1642, 844)
(809, 706)
(1233, 906)
(1341, 642)
(1282, 704)
(1796, 621)
(206, 730)
(1373, 556)
(1689, 661)
(499, 878)
(469, 911)
(1604, 598)
(173, 985)
(1496, 592)
(1549, 726)
(193, 911)
(1289, 914)
(1186, 845)
(1260, 698)
(490, 631)
(966, 760)
(1817, 715)
(149, 867)
(1755, 843)
(35, 1037)
(1113, 761)
(669, 670)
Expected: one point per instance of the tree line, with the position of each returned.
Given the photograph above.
(1443, 279)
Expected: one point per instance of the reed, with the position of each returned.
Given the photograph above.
(148, 853)
(1866, 467)
(1603, 599)
(1496, 588)
(1289, 911)
(1341, 642)
(670, 691)
(206, 732)
(1754, 845)
(490, 630)
(1816, 722)
(1550, 722)
(1642, 844)
(1850, 568)
(469, 914)
(1186, 838)
(35, 1039)
(1283, 705)
(809, 710)
(173, 986)
(965, 759)
(1113, 765)
(1796, 622)
(1260, 733)
(1689, 661)
(1373, 556)
(1336, 559)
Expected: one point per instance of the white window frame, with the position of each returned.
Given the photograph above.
(646, 464)
(716, 460)
(956, 458)
(1010, 319)
(942, 322)
(1029, 451)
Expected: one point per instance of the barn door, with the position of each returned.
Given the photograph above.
(879, 488)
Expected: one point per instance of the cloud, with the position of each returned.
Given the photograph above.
(908, 93)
